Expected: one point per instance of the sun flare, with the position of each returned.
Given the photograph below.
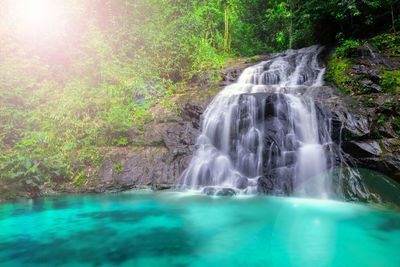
(37, 17)
(34, 11)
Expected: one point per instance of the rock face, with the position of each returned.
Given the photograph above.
(369, 142)
(166, 148)
(369, 120)
(151, 166)
(365, 133)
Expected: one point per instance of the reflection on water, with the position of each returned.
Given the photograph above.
(175, 229)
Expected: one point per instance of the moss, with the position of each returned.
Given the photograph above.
(384, 151)
(338, 74)
(137, 148)
(387, 43)
(341, 62)
(368, 103)
(396, 125)
(254, 59)
(390, 81)
(376, 135)
(347, 49)
(156, 151)
(381, 118)
(395, 146)
(389, 104)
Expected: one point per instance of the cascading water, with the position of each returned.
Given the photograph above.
(265, 133)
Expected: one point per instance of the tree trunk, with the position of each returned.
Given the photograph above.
(291, 27)
(226, 28)
(394, 28)
(227, 36)
(230, 27)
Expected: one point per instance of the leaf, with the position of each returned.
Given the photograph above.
(16, 174)
(28, 163)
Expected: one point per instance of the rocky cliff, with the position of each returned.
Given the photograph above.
(369, 112)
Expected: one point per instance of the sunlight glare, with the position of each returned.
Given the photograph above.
(38, 17)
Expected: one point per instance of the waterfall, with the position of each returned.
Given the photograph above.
(265, 133)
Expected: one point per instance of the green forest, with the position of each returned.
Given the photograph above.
(74, 85)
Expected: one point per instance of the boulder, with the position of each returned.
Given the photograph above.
(362, 149)
(221, 192)
(242, 183)
(226, 192)
(209, 191)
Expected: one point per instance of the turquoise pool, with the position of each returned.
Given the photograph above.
(177, 229)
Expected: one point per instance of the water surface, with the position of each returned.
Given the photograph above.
(176, 229)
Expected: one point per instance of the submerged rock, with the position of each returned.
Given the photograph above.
(226, 192)
(242, 183)
(215, 191)
(209, 191)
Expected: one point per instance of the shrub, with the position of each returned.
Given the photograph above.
(347, 49)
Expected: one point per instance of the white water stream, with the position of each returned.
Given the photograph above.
(267, 128)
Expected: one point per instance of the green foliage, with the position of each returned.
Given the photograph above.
(80, 179)
(28, 173)
(368, 102)
(387, 43)
(118, 167)
(347, 49)
(390, 81)
(338, 73)
(396, 125)
(381, 118)
(389, 104)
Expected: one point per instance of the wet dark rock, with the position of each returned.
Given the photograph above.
(156, 165)
(162, 154)
(365, 142)
(192, 112)
(363, 51)
(226, 192)
(391, 144)
(278, 181)
(355, 125)
(336, 129)
(232, 75)
(362, 149)
(209, 191)
(242, 183)
(265, 185)
(221, 192)
(290, 158)
(371, 85)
